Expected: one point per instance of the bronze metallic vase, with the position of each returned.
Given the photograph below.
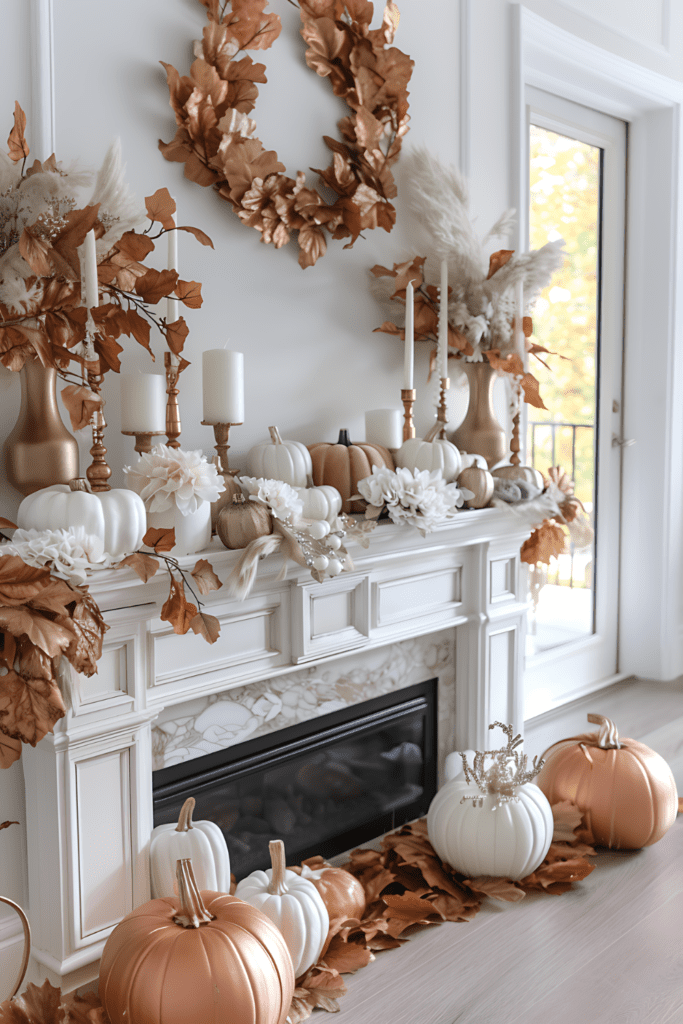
(480, 432)
(40, 451)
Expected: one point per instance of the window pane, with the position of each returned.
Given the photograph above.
(565, 202)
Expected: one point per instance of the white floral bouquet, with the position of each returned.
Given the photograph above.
(68, 554)
(282, 500)
(168, 478)
(417, 498)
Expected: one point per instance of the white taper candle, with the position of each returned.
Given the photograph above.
(223, 386)
(409, 348)
(442, 351)
(172, 305)
(90, 257)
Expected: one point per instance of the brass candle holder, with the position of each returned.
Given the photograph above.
(221, 432)
(143, 439)
(173, 425)
(408, 396)
(442, 411)
(98, 472)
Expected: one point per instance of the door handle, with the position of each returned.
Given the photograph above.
(622, 442)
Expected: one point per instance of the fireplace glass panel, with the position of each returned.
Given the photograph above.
(321, 786)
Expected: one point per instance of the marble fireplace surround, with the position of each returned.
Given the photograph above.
(449, 605)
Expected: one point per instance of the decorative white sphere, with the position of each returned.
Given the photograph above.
(321, 562)
(319, 529)
(334, 542)
(335, 567)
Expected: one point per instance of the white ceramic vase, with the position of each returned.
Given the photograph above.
(192, 532)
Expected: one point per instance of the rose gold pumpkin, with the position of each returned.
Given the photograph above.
(203, 957)
(343, 464)
(624, 788)
(342, 893)
(242, 521)
(480, 482)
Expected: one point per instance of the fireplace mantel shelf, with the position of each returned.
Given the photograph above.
(89, 786)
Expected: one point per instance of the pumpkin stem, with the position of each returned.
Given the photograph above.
(309, 480)
(344, 438)
(185, 816)
(79, 484)
(433, 431)
(239, 499)
(192, 912)
(27, 943)
(609, 736)
(275, 435)
(278, 886)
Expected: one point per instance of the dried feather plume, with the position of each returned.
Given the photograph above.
(508, 772)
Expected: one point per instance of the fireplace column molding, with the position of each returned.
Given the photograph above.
(89, 786)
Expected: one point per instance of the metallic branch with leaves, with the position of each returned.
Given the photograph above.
(506, 774)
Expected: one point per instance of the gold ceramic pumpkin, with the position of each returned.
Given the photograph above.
(343, 464)
(193, 958)
(243, 521)
(480, 482)
(626, 790)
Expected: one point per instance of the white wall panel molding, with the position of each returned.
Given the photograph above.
(652, 523)
(41, 129)
(616, 25)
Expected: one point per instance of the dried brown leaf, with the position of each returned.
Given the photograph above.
(6, 824)
(35, 251)
(35, 1006)
(497, 888)
(156, 285)
(89, 628)
(205, 625)
(135, 246)
(10, 751)
(567, 817)
(17, 144)
(29, 708)
(176, 333)
(80, 403)
(200, 235)
(19, 582)
(189, 293)
(84, 1009)
(177, 609)
(498, 260)
(346, 957)
(530, 387)
(144, 565)
(205, 577)
(49, 636)
(161, 207)
(159, 539)
(6, 524)
(546, 542)
(139, 328)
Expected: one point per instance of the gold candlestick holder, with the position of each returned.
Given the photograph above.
(408, 396)
(442, 411)
(173, 425)
(221, 432)
(98, 472)
(143, 439)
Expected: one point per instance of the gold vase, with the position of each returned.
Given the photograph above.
(40, 451)
(480, 432)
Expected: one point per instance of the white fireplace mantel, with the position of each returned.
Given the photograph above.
(89, 786)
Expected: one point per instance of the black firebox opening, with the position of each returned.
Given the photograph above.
(322, 786)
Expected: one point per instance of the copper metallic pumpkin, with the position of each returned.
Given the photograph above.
(626, 790)
(342, 893)
(343, 464)
(205, 957)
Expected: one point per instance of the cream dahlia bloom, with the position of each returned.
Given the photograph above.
(168, 478)
(279, 497)
(418, 498)
(66, 553)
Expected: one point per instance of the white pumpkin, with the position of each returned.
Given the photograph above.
(430, 455)
(506, 841)
(469, 460)
(293, 904)
(202, 841)
(323, 502)
(281, 460)
(118, 516)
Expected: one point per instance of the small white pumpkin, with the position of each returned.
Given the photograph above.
(280, 460)
(480, 838)
(473, 459)
(293, 904)
(430, 455)
(322, 502)
(118, 516)
(202, 841)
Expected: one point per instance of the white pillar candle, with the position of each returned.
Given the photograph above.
(410, 338)
(442, 349)
(90, 258)
(172, 305)
(143, 402)
(223, 385)
(385, 427)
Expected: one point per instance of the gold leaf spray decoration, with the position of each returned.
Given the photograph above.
(215, 137)
(508, 772)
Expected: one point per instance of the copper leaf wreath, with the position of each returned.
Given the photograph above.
(215, 137)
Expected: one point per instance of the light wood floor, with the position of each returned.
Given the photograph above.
(610, 951)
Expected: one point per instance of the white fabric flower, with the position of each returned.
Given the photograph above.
(168, 478)
(66, 553)
(279, 497)
(418, 498)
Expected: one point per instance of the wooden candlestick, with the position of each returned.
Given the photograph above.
(173, 425)
(408, 396)
(442, 411)
(143, 439)
(221, 432)
(98, 472)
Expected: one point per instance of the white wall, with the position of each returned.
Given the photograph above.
(312, 362)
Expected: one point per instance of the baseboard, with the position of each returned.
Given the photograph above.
(574, 697)
(11, 932)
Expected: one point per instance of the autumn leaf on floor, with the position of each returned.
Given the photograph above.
(177, 609)
(557, 878)
(160, 540)
(567, 817)
(205, 577)
(144, 565)
(6, 824)
(497, 888)
(346, 957)
(80, 403)
(37, 1005)
(408, 909)
(205, 625)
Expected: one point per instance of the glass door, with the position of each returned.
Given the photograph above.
(577, 191)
